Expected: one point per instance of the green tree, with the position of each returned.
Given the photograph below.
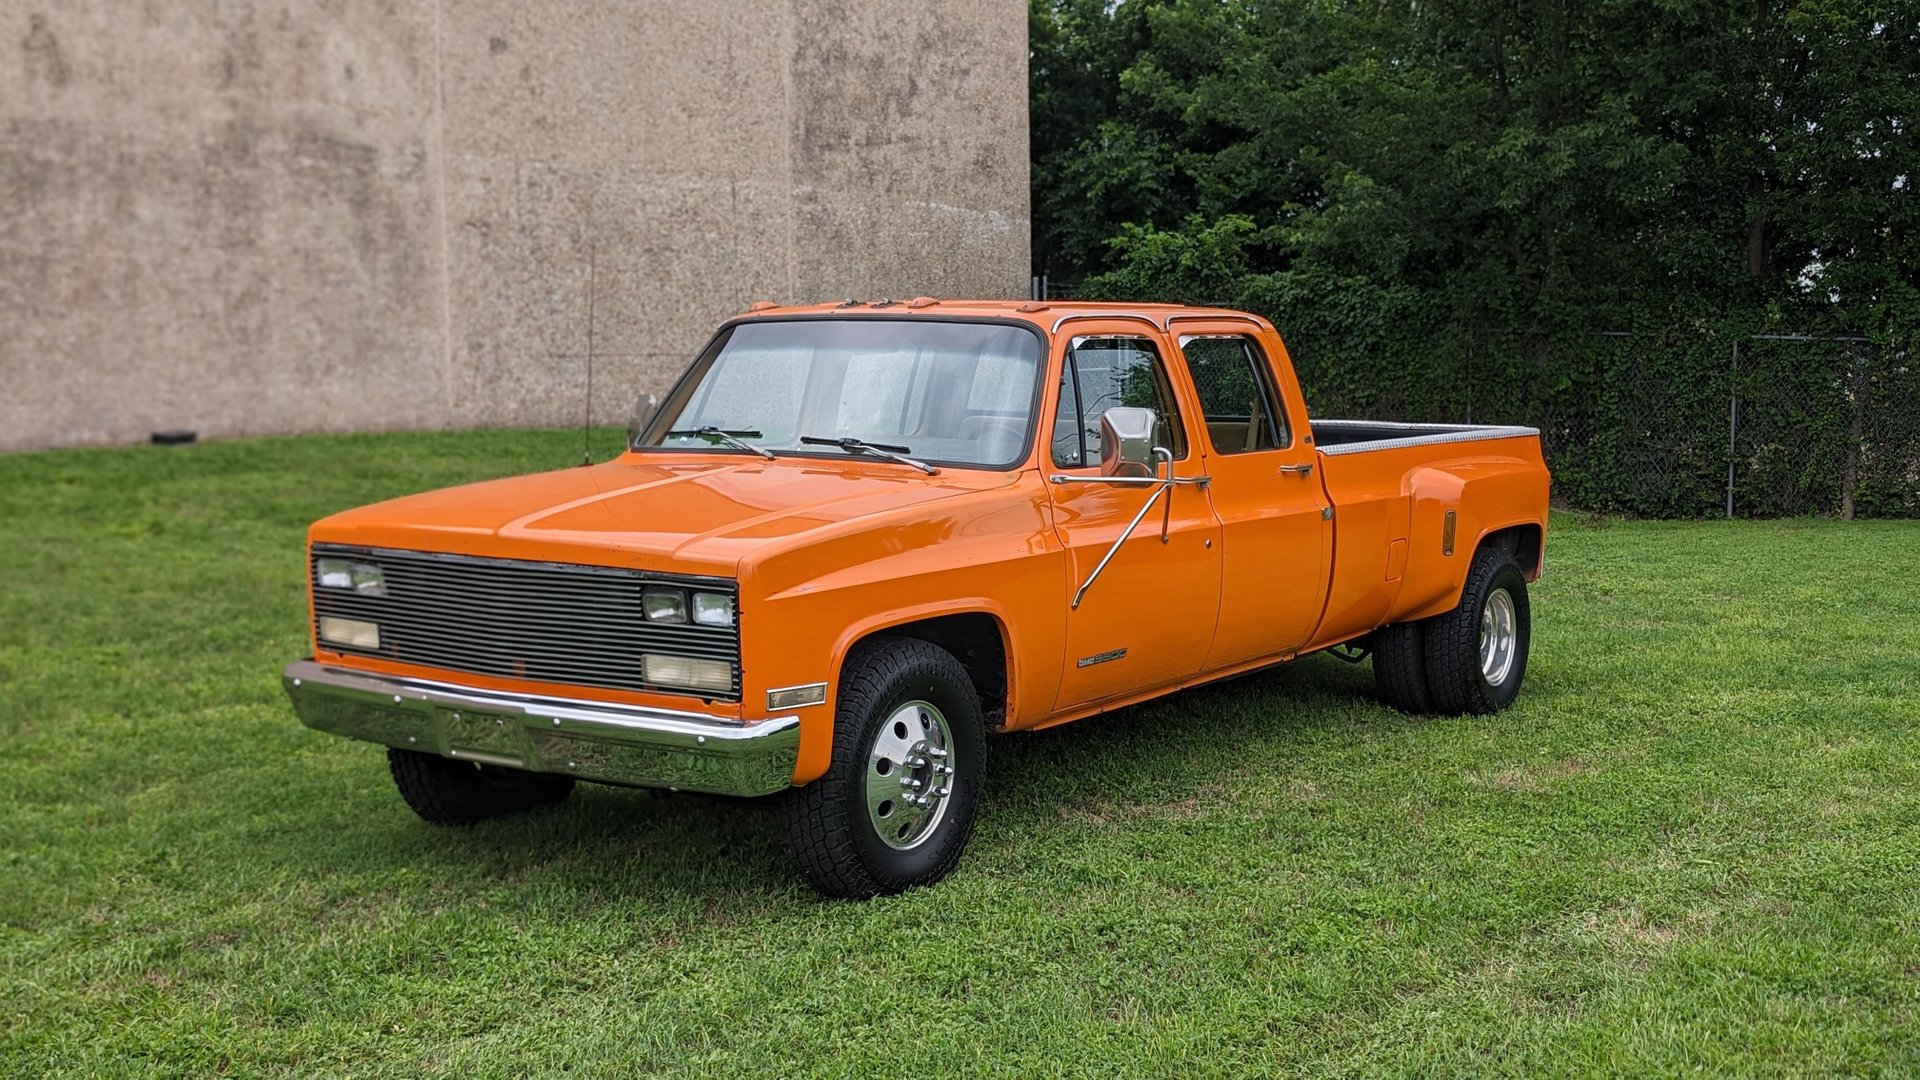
(1526, 166)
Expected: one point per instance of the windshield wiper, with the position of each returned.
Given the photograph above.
(858, 446)
(736, 439)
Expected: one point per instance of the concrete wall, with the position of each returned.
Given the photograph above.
(261, 216)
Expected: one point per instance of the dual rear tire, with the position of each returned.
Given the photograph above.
(1468, 660)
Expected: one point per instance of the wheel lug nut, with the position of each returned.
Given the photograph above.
(935, 752)
(940, 793)
(943, 770)
(909, 783)
(916, 762)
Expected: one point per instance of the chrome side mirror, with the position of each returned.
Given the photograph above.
(643, 413)
(1126, 441)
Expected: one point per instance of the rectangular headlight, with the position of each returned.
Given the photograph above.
(664, 605)
(363, 578)
(712, 609)
(353, 633)
(681, 671)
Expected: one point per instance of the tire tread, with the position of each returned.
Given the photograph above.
(447, 792)
(1400, 667)
(820, 830)
(1453, 640)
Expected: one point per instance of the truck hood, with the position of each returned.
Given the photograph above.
(694, 515)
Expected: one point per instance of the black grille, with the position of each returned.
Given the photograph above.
(548, 622)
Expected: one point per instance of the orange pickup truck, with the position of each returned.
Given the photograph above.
(854, 539)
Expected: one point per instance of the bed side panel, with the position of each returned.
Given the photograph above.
(1390, 514)
(1371, 514)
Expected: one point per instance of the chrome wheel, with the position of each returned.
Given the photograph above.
(1499, 637)
(909, 775)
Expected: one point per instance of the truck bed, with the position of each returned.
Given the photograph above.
(1406, 498)
(1361, 436)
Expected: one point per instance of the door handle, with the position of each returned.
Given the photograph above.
(1297, 470)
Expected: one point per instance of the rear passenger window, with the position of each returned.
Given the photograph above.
(1102, 372)
(1236, 393)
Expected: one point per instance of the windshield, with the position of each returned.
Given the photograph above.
(954, 393)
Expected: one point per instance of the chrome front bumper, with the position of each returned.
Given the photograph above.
(593, 740)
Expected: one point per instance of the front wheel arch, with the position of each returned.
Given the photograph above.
(960, 627)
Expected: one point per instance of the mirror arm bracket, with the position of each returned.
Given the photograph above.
(1132, 481)
(1162, 486)
(1166, 517)
(1115, 549)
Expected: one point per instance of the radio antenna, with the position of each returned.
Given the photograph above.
(586, 421)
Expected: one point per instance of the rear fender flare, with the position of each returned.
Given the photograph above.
(1484, 501)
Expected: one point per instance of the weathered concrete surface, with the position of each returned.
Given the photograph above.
(259, 217)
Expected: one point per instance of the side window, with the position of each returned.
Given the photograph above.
(1109, 371)
(1236, 393)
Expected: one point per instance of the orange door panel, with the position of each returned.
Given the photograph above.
(1266, 493)
(1148, 618)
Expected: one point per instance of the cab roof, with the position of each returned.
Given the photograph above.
(1046, 314)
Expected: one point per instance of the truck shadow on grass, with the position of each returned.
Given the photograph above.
(1174, 747)
(642, 845)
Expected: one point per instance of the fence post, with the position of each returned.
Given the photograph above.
(1733, 424)
(1469, 380)
(1857, 390)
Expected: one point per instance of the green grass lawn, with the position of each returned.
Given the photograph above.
(1692, 845)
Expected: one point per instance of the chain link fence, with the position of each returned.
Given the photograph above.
(1678, 424)
(1685, 422)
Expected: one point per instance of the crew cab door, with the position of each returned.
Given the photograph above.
(1147, 619)
(1277, 536)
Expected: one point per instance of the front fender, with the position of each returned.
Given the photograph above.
(803, 608)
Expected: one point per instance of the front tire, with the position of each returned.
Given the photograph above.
(448, 792)
(1477, 653)
(897, 803)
